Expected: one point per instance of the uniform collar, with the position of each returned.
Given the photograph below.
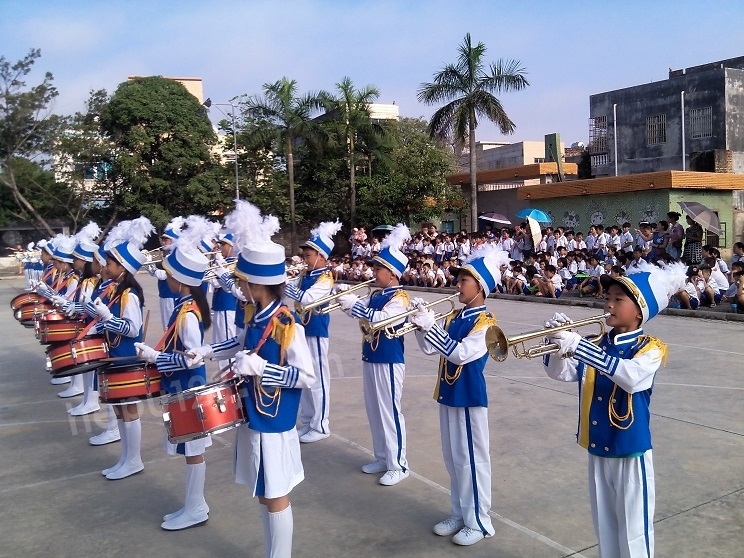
(467, 312)
(625, 338)
(267, 312)
(316, 272)
(184, 299)
(388, 290)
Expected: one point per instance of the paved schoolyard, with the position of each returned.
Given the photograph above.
(54, 502)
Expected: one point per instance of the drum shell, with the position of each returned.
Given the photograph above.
(126, 382)
(77, 356)
(29, 312)
(25, 298)
(55, 327)
(198, 412)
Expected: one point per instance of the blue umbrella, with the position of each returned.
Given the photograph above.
(536, 214)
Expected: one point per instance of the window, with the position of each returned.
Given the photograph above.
(701, 122)
(447, 226)
(598, 134)
(656, 129)
(539, 159)
(603, 159)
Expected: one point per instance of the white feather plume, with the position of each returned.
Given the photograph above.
(195, 228)
(57, 239)
(176, 225)
(397, 237)
(65, 243)
(327, 229)
(140, 230)
(673, 276)
(117, 233)
(268, 228)
(89, 233)
(243, 222)
(493, 257)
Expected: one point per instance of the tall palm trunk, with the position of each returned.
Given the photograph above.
(352, 184)
(292, 221)
(473, 179)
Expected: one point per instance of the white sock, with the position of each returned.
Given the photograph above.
(123, 457)
(266, 529)
(113, 423)
(282, 527)
(134, 440)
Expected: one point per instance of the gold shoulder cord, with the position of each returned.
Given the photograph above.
(264, 399)
(449, 378)
(376, 336)
(116, 341)
(615, 418)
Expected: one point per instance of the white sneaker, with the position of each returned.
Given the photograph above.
(60, 381)
(71, 391)
(105, 437)
(391, 478)
(128, 469)
(303, 430)
(185, 520)
(374, 468)
(84, 409)
(175, 514)
(313, 436)
(449, 526)
(467, 536)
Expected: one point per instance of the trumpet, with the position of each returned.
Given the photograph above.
(498, 343)
(210, 272)
(370, 331)
(304, 310)
(298, 268)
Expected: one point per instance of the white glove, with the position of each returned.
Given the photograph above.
(90, 309)
(146, 353)
(102, 310)
(342, 288)
(567, 340)
(151, 269)
(45, 290)
(417, 302)
(424, 319)
(69, 309)
(557, 320)
(347, 301)
(219, 260)
(33, 284)
(59, 300)
(247, 364)
(197, 355)
(219, 271)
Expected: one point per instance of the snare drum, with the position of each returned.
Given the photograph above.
(25, 298)
(77, 356)
(55, 327)
(198, 412)
(118, 383)
(27, 313)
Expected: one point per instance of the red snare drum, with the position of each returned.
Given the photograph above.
(124, 382)
(26, 298)
(50, 328)
(27, 313)
(77, 356)
(198, 412)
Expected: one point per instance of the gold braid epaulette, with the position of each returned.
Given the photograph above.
(648, 343)
(325, 277)
(404, 294)
(484, 320)
(282, 331)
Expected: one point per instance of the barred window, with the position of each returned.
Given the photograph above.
(602, 159)
(598, 134)
(656, 129)
(701, 122)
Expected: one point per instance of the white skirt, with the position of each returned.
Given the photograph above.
(192, 448)
(282, 463)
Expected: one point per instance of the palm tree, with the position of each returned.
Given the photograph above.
(350, 110)
(289, 118)
(467, 88)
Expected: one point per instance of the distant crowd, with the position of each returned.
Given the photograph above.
(565, 260)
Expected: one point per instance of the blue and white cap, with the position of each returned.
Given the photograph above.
(390, 255)
(262, 264)
(64, 246)
(485, 265)
(128, 255)
(186, 267)
(225, 238)
(86, 245)
(652, 289)
(85, 250)
(321, 238)
(173, 229)
(100, 255)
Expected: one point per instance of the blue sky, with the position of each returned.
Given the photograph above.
(570, 49)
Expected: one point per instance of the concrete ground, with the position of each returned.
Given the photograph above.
(54, 502)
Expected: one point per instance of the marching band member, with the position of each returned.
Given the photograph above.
(185, 267)
(85, 265)
(616, 378)
(461, 394)
(313, 285)
(166, 296)
(224, 302)
(121, 325)
(383, 365)
(273, 358)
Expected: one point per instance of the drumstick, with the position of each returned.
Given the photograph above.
(144, 328)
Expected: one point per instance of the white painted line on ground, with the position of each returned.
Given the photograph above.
(506, 521)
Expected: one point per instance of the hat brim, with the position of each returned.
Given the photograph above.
(607, 281)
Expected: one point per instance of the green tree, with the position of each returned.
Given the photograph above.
(467, 87)
(349, 116)
(163, 159)
(284, 116)
(27, 131)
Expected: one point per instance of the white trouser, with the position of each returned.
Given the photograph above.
(465, 450)
(223, 328)
(622, 496)
(315, 400)
(383, 387)
(166, 309)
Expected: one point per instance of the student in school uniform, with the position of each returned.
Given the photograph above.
(383, 361)
(166, 297)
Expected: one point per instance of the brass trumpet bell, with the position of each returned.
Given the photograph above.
(316, 305)
(372, 330)
(498, 343)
